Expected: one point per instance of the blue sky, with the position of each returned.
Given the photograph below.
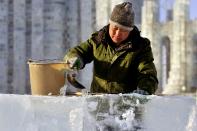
(166, 4)
(193, 9)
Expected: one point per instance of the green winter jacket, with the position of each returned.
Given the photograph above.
(118, 69)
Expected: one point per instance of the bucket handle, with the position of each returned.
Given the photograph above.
(43, 60)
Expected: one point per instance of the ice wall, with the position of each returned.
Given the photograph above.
(98, 113)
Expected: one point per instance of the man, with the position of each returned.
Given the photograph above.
(122, 59)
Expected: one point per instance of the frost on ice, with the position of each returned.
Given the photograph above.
(120, 112)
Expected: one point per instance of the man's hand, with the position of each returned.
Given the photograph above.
(74, 62)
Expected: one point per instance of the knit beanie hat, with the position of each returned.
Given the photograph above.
(123, 16)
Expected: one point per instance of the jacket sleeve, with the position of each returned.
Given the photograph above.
(147, 74)
(84, 50)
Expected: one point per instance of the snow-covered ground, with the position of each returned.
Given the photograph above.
(98, 113)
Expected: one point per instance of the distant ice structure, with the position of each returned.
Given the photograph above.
(121, 112)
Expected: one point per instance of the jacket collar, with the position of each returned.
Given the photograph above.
(124, 47)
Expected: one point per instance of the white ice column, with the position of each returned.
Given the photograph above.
(19, 47)
(72, 33)
(149, 18)
(177, 79)
(3, 45)
(54, 12)
(37, 29)
(149, 28)
(103, 11)
(87, 14)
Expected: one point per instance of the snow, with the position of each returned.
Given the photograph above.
(98, 113)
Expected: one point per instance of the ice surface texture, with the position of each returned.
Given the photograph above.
(120, 112)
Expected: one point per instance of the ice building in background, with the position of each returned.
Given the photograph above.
(174, 45)
(45, 29)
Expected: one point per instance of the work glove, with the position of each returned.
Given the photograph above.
(140, 91)
(74, 62)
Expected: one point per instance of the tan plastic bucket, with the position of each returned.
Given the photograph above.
(46, 76)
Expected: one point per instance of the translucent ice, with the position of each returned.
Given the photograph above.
(98, 113)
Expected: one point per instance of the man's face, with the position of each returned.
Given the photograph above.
(117, 34)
